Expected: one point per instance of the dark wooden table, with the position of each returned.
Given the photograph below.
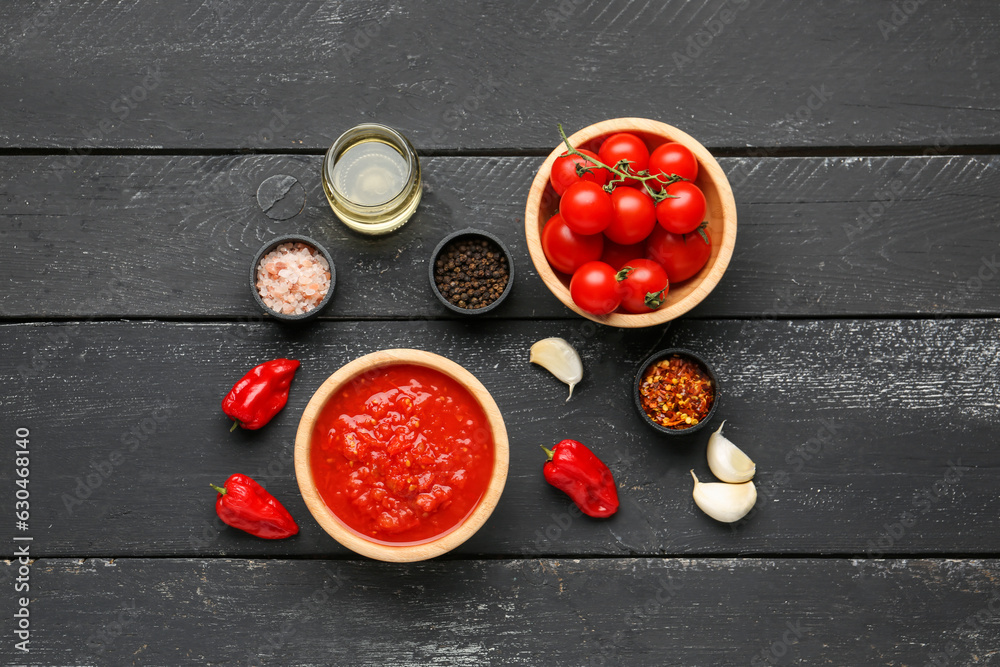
(855, 332)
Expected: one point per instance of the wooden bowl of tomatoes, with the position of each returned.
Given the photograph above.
(636, 227)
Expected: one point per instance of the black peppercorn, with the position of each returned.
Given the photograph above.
(471, 273)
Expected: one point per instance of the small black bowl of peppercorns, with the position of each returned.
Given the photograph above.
(471, 271)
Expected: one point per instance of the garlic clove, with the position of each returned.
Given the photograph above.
(727, 461)
(559, 358)
(724, 502)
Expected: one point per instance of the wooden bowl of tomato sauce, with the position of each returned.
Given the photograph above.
(401, 455)
(543, 203)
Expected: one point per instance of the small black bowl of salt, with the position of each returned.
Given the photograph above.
(292, 278)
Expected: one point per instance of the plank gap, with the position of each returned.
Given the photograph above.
(884, 151)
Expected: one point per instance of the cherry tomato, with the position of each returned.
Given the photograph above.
(674, 158)
(635, 216)
(586, 208)
(644, 285)
(683, 212)
(595, 289)
(616, 255)
(624, 146)
(680, 255)
(564, 171)
(565, 249)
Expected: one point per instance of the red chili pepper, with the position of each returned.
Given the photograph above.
(575, 470)
(260, 394)
(246, 505)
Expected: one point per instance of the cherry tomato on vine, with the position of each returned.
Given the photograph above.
(625, 146)
(684, 211)
(595, 289)
(674, 158)
(635, 216)
(644, 285)
(565, 249)
(586, 208)
(680, 255)
(564, 171)
(615, 255)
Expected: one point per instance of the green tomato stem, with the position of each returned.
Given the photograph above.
(624, 273)
(654, 300)
(700, 231)
(622, 174)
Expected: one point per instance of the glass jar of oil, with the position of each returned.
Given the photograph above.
(371, 177)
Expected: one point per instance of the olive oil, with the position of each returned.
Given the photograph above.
(371, 172)
(371, 177)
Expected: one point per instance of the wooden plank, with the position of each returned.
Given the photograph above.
(132, 236)
(257, 75)
(679, 612)
(869, 436)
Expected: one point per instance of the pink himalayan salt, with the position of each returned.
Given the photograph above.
(293, 278)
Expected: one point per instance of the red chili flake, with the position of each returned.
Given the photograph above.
(676, 392)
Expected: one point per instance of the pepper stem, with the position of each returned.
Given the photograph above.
(219, 489)
(236, 422)
(548, 452)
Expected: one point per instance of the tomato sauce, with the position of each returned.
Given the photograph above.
(402, 454)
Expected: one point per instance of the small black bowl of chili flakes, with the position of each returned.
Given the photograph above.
(471, 272)
(676, 392)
